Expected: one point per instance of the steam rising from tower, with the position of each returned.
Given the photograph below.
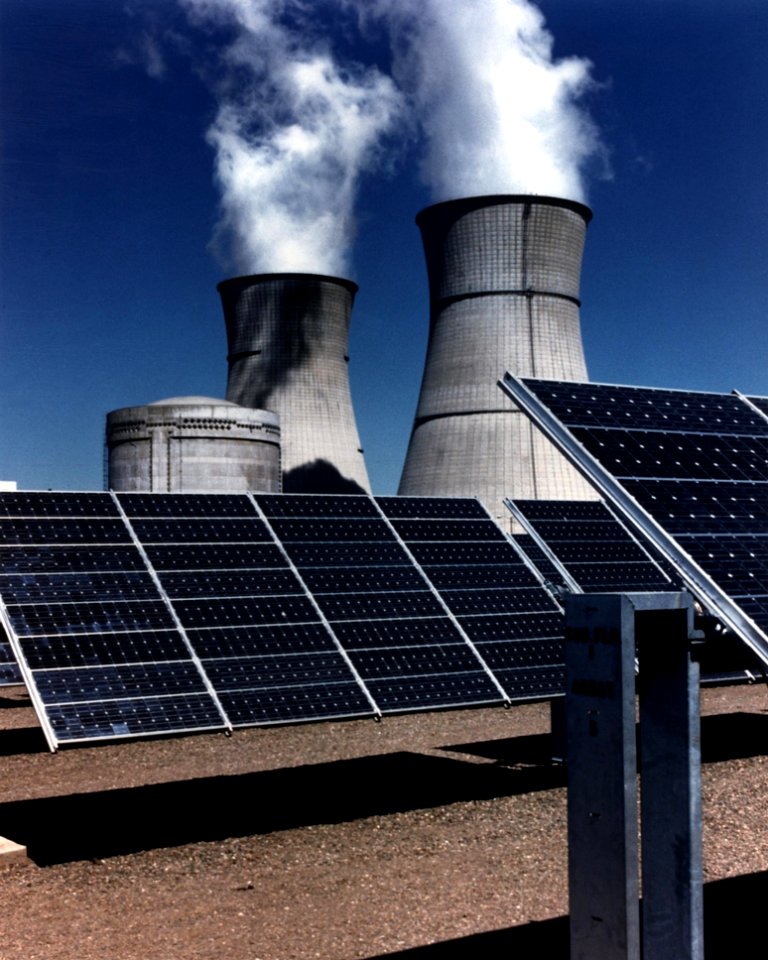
(498, 113)
(293, 134)
(296, 127)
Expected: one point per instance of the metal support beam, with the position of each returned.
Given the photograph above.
(670, 766)
(602, 765)
(604, 635)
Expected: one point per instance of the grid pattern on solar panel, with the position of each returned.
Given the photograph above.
(498, 603)
(406, 649)
(530, 548)
(103, 653)
(696, 462)
(259, 637)
(9, 668)
(138, 614)
(597, 551)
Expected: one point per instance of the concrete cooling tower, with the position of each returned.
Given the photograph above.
(287, 335)
(504, 295)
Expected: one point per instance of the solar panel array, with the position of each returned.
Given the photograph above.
(696, 464)
(138, 614)
(586, 549)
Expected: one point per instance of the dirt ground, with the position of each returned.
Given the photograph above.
(427, 837)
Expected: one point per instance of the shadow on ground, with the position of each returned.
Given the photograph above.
(724, 736)
(729, 911)
(122, 821)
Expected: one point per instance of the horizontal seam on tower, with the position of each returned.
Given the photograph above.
(464, 413)
(458, 297)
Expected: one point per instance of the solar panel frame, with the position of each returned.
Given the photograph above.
(688, 411)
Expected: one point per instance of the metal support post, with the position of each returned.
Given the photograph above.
(670, 767)
(604, 634)
(602, 765)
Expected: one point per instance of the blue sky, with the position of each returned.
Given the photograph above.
(108, 206)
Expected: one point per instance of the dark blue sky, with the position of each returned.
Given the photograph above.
(108, 202)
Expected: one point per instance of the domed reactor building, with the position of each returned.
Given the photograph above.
(288, 352)
(504, 276)
(191, 445)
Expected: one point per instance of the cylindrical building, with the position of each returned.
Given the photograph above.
(193, 444)
(287, 335)
(504, 295)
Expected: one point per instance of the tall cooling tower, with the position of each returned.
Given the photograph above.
(287, 335)
(504, 295)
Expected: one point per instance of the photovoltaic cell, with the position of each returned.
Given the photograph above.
(689, 470)
(307, 506)
(103, 649)
(202, 505)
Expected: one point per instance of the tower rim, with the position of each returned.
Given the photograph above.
(249, 279)
(468, 204)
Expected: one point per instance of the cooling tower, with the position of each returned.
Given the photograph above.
(193, 444)
(504, 295)
(287, 335)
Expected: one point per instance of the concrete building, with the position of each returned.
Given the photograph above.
(504, 295)
(191, 444)
(287, 335)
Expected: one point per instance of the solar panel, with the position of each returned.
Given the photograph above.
(100, 650)
(240, 604)
(402, 642)
(688, 470)
(497, 600)
(593, 550)
(135, 614)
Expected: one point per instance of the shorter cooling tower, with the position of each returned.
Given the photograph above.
(504, 296)
(193, 444)
(287, 335)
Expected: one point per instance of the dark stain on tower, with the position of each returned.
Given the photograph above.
(288, 337)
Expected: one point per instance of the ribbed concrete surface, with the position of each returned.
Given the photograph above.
(504, 278)
(288, 336)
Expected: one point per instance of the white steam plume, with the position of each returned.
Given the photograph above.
(499, 114)
(293, 134)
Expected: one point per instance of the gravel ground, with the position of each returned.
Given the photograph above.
(427, 837)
